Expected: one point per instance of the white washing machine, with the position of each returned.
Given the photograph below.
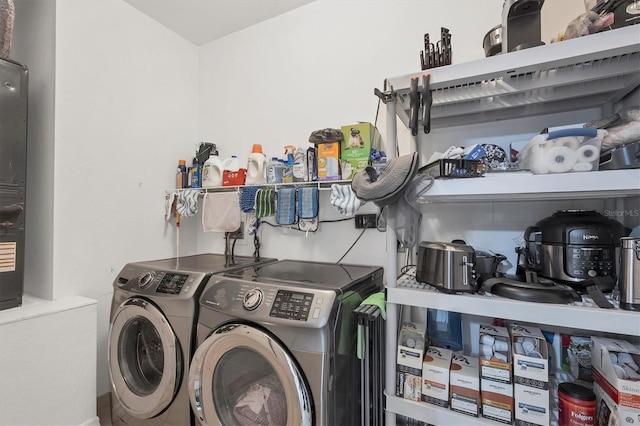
(154, 313)
(277, 345)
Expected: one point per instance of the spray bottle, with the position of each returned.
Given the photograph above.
(287, 174)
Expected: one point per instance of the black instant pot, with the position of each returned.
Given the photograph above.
(572, 246)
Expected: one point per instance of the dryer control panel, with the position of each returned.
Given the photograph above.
(292, 305)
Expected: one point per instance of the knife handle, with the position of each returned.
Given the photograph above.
(427, 101)
(414, 104)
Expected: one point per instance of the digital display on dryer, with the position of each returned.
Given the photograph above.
(291, 305)
(172, 283)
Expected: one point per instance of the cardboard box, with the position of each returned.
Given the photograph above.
(411, 347)
(497, 400)
(328, 159)
(495, 353)
(530, 375)
(435, 376)
(356, 147)
(613, 392)
(464, 385)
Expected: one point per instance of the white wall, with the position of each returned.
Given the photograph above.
(316, 67)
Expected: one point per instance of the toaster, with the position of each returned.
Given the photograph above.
(449, 267)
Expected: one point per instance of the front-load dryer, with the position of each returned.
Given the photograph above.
(154, 313)
(277, 345)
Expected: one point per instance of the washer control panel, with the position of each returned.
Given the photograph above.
(172, 283)
(291, 304)
(274, 303)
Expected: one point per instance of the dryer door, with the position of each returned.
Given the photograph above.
(145, 361)
(242, 375)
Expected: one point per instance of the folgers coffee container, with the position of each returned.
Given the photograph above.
(576, 405)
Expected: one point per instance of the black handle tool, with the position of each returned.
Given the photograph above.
(414, 104)
(427, 101)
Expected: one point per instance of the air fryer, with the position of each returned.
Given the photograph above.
(574, 247)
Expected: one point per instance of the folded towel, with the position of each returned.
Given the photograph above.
(221, 212)
(307, 203)
(248, 198)
(169, 199)
(286, 206)
(344, 199)
(188, 202)
(265, 202)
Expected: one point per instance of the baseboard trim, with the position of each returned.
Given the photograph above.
(95, 421)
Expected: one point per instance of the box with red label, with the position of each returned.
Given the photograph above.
(464, 385)
(435, 376)
(615, 365)
(233, 178)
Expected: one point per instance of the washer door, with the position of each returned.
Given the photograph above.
(242, 375)
(145, 361)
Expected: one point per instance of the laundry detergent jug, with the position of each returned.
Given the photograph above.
(212, 171)
(256, 166)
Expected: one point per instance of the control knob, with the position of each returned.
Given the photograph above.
(146, 279)
(252, 299)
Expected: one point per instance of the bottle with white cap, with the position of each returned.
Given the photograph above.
(212, 171)
(256, 166)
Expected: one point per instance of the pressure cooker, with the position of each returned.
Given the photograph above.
(572, 246)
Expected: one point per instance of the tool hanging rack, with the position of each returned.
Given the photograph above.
(437, 55)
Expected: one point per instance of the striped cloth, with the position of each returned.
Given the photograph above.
(307, 203)
(286, 206)
(344, 199)
(265, 202)
(187, 204)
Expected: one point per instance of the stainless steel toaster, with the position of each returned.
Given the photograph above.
(449, 267)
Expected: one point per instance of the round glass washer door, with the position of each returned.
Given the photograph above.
(242, 375)
(145, 362)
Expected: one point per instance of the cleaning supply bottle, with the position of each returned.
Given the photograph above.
(256, 166)
(212, 171)
(181, 176)
(272, 170)
(195, 174)
(287, 173)
(300, 165)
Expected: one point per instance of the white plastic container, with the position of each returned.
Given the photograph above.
(212, 172)
(231, 164)
(256, 166)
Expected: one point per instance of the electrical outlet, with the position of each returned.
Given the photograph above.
(238, 235)
(365, 221)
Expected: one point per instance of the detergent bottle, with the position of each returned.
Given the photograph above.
(256, 166)
(287, 173)
(212, 171)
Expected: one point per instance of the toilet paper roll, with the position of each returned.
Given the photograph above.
(501, 345)
(517, 348)
(620, 372)
(587, 153)
(582, 167)
(559, 159)
(500, 356)
(613, 357)
(570, 142)
(487, 339)
(486, 351)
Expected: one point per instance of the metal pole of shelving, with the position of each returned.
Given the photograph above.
(392, 269)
